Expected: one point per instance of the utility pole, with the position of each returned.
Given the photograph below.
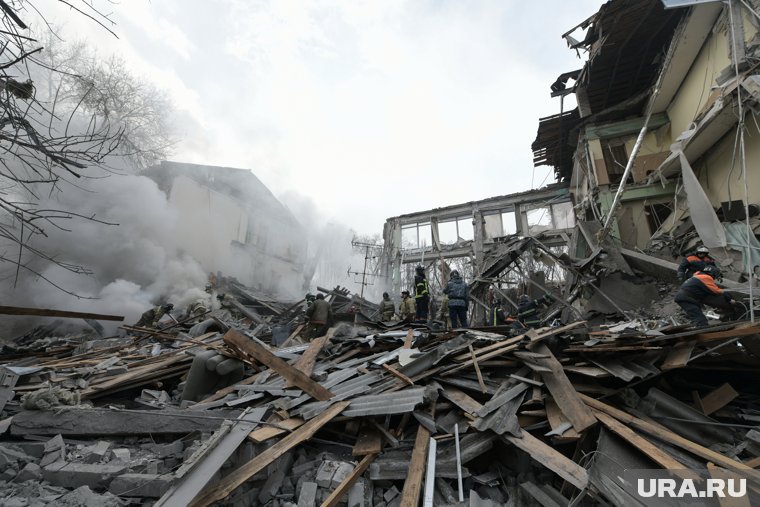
(364, 274)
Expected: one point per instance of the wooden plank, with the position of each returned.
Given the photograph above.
(232, 481)
(556, 419)
(147, 370)
(678, 356)
(670, 437)
(409, 339)
(552, 459)
(292, 338)
(287, 371)
(561, 389)
(461, 400)
(398, 374)
(477, 369)
(513, 344)
(370, 441)
(308, 359)
(263, 434)
(740, 330)
(410, 495)
(753, 463)
(343, 487)
(718, 399)
(660, 457)
(41, 312)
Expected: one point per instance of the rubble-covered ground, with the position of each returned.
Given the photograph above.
(209, 411)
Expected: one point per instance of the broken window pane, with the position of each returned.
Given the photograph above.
(409, 236)
(509, 223)
(539, 220)
(425, 235)
(564, 216)
(447, 232)
(465, 228)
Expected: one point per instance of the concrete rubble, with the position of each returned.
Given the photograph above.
(347, 419)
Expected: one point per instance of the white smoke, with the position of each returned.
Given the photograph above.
(134, 264)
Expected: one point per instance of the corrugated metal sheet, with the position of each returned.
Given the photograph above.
(342, 391)
(389, 403)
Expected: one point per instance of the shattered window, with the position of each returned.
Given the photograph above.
(564, 216)
(416, 235)
(465, 228)
(409, 236)
(509, 223)
(493, 228)
(447, 232)
(539, 219)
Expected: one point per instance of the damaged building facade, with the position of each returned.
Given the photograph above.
(675, 91)
(230, 221)
(474, 237)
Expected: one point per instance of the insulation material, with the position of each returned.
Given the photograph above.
(736, 235)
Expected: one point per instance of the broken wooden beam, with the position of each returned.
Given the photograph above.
(231, 482)
(286, 371)
(552, 459)
(410, 495)
(41, 312)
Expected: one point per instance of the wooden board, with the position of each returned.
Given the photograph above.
(370, 441)
(40, 312)
(221, 393)
(461, 400)
(410, 495)
(556, 419)
(666, 435)
(305, 363)
(740, 330)
(343, 487)
(660, 457)
(288, 372)
(718, 399)
(263, 434)
(678, 356)
(552, 459)
(232, 481)
(561, 389)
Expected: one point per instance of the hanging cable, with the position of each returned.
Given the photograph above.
(750, 270)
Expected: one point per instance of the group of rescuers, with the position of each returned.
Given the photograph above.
(455, 304)
(697, 273)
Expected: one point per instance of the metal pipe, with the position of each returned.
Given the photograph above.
(459, 462)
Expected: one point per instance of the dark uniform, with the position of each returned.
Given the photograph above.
(699, 290)
(421, 295)
(693, 263)
(320, 317)
(527, 311)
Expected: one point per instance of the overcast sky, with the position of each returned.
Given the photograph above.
(370, 108)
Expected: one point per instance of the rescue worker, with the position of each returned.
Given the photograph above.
(498, 317)
(459, 300)
(693, 263)
(201, 305)
(421, 295)
(406, 308)
(527, 310)
(387, 308)
(150, 318)
(320, 317)
(699, 290)
(443, 314)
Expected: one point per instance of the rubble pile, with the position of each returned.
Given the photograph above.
(372, 414)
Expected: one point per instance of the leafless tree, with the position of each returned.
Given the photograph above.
(60, 133)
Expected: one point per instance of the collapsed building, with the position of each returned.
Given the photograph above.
(233, 407)
(675, 92)
(230, 219)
